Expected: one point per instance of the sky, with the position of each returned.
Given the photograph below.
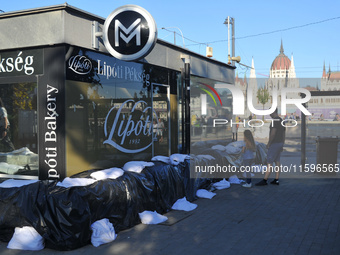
(309, 30)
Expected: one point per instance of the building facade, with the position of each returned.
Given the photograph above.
(326, 107)
(73, 107)
(281, 75)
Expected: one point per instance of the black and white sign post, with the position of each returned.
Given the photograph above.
(130, 33)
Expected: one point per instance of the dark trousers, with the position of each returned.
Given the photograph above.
(6, 140)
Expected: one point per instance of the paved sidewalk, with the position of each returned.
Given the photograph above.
(301, 216)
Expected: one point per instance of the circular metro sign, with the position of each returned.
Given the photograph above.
(130, 33)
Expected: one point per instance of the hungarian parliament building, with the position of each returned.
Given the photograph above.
(283, 75)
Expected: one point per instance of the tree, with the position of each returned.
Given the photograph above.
(263, 97)
(23, 97)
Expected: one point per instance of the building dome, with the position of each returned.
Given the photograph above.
(282, 67)
(281, 62)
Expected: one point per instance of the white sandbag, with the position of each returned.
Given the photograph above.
(238, 144)
(208, 157)
(22, 151)
(111, 173)
(203, 193)
(177, 158)
(26, 238)
(222, 184)
(149, 217)
(235, 147)
(102, 232)
(75, 182)
(11, 183)
(9, 168)
(184, 205)
(235, 180)
(163, 159)
(136, 166)
(218, 147)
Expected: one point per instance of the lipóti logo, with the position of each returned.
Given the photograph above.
(80, 64)
(130, 129)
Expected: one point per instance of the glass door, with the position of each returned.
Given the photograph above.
(161, 120)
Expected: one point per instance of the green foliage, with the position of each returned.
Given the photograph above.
(23, 97)
(263, 96)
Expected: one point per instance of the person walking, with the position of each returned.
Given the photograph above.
(249, 153)
(160, 129)
(277, 135)
(4, 128)
(234, 129)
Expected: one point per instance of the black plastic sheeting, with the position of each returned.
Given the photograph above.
(63, 216)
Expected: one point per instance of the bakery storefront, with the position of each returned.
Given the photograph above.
(73, 102)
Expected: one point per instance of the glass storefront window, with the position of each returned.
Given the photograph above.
(116, 111)
(161, 120)
(105, 130)
(18, 129)
(209, 103)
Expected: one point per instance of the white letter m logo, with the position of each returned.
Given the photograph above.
(134, 26)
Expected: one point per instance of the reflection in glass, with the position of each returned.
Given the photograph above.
(107, 125)
(18, 125)
(110, 112)
(207, 106)
(161, 121)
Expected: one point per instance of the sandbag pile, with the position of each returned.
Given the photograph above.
(62, 213)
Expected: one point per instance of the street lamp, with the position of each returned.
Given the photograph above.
(166, 28)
